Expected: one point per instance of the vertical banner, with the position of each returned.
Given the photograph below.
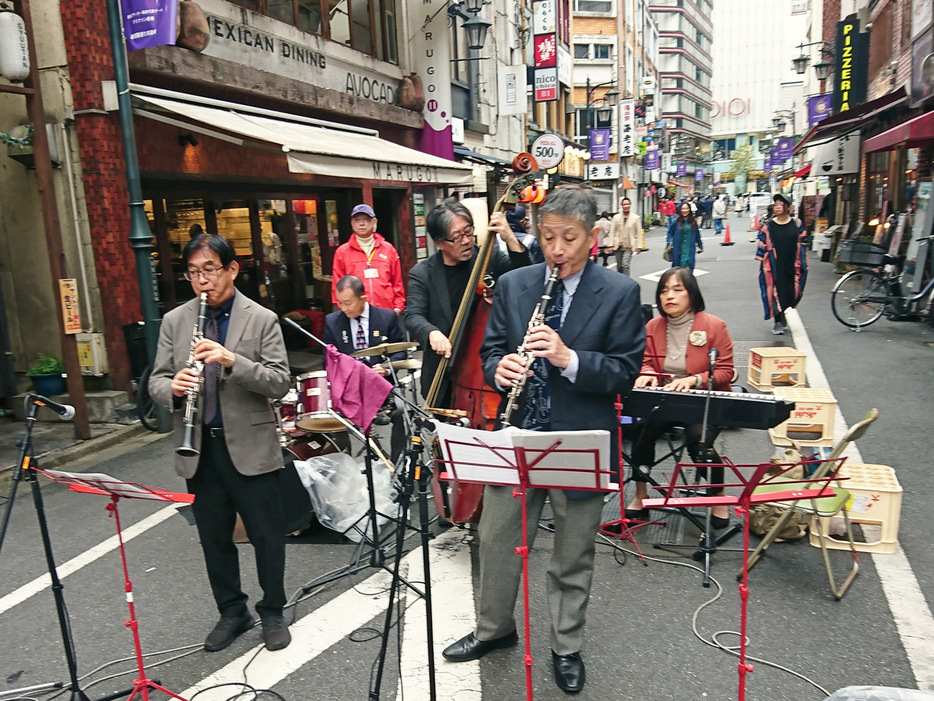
(627, 126)
(511, 86)
(785, 147)
(545, 43)
(699, 174)
(431, 50)
(651, 160)
(599, 144)
(851, 56)
(818, 108)
(71, 315)
(149, 23)
(767, 166)
(682, 170)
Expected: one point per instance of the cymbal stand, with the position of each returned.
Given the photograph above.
(25, 462)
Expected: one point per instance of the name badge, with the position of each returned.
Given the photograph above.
(370, 273)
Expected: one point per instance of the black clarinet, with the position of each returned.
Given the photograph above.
(187, 447)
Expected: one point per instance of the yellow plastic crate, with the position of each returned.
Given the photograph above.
(875, 499)
(811, 422)
(775, 367)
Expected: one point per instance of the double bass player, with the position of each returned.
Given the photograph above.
(588, 350)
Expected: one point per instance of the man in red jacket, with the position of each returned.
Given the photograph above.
(372, 259)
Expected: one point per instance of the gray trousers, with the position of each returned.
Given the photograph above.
(569, 574)
(623, 258)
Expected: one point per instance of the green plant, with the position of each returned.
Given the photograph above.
(46, 365)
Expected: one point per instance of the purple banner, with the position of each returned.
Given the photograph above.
(819, 108)
(651, 160)
(599, 144)
(149, 23)
(773, 156)
(785, 147)
(767, 166)
(699, 174)
(682, 169)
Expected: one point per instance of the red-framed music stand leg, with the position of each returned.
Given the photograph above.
(142, 684)
(523, 552)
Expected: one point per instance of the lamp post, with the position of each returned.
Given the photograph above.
(822, 68)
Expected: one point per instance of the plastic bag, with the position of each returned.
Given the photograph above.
(338, 490)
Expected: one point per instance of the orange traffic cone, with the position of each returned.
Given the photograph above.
(727, 241)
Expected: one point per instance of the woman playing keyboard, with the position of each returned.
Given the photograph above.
(677, 348)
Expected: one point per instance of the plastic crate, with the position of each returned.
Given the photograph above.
(875, 499)
(861, 253)
(811, 422)
(775, 367)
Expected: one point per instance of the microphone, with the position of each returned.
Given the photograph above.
(714, 353)
(64, 411)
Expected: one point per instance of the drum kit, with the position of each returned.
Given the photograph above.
(307, 427)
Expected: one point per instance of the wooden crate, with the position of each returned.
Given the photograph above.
(875, 499)
(775, 367)
(811, 422)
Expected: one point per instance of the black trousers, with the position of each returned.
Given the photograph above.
(220, 494)
(643, 449)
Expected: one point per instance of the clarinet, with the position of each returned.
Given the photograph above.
(187, 446)
(538, 318)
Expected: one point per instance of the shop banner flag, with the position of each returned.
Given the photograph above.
(431, 49)
(767, 166)
(699, 174)
(149, 23)
(785, 147)
(599, 144)
(627, 128)
(682, 170)
(651, 160)
(818, 108)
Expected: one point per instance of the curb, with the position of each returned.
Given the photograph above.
(57, 458)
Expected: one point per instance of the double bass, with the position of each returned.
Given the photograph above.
(471, 398)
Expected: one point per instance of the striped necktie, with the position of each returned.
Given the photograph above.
(537, 396)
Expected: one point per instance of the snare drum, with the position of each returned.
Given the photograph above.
(313, 400)
(286, 410)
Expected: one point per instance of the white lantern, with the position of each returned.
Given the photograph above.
(14, 47)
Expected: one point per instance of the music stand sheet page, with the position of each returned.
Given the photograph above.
(488, 457)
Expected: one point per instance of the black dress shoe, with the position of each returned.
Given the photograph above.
(226, 631)
(718, 522)
(637, 514)
(569, 671)
(469, 648)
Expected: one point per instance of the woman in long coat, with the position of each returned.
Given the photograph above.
(684, 239)
(783, 269)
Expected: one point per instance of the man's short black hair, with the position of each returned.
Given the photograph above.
(438, 221)
(352, 282)
(690, 284)
(210, 242)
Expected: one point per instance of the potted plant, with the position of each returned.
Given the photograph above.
(47, 375)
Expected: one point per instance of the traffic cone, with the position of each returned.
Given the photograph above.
(727, 241)
(642, 246)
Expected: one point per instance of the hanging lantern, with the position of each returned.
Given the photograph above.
(533, 194)
(14, 47)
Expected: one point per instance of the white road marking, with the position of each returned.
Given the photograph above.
(454, 616)
(84, 559)
(656, 276)
(910, 610)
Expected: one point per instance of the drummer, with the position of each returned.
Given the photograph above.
(358, 325)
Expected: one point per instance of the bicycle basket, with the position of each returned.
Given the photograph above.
(861, 253)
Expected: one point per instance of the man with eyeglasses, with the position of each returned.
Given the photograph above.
(237, 468)
(437, 284)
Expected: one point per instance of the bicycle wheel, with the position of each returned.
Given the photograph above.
(858, 299)
(144, 403)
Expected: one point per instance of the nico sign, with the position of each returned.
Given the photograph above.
(546, 84)
(548, 150)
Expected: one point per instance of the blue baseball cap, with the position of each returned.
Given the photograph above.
(363, 209)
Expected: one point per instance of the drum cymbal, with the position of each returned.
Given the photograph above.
(320, 424)
(407, 364)
(383, 349)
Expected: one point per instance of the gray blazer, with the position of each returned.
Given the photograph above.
(260, 373)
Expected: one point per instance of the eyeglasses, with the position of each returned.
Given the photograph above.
(461, 236)
(206, 274)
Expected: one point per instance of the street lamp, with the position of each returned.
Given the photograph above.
(475, 27)
(822, 68)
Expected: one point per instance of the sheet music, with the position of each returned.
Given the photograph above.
(105, 483)
(489, 456)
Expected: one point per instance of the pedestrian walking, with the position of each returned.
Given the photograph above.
(719, 214)
(683, 239)
(783, 269)
(236, 469)
(605, 240)
(625, 235)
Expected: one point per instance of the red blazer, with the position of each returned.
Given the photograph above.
(696, 357)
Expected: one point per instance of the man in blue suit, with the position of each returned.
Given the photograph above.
(583, 361)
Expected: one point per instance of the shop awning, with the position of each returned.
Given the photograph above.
(915, 133)
(839, 124)
(481, 158)
(627, 184)
(311, 146)
(804, 172)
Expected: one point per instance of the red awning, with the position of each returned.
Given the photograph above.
(839, 124)
(914, 133)
(803, 173)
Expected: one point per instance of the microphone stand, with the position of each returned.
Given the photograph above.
(410, 471)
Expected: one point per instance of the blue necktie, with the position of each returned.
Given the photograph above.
(360, 341)
(537, 397)
(212, 371)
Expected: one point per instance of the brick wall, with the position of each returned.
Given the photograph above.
(89, 62)
(594, 25)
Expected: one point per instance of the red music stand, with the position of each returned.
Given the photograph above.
(98, 483)
(527, 459)
(762, 474)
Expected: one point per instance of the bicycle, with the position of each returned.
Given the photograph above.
(862, 296)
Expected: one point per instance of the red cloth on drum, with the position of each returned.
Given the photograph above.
(357, 391)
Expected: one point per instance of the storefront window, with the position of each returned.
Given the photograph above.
(362, 41)
(339, 21)
(272, 227)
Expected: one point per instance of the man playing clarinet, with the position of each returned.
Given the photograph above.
(588, 350)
